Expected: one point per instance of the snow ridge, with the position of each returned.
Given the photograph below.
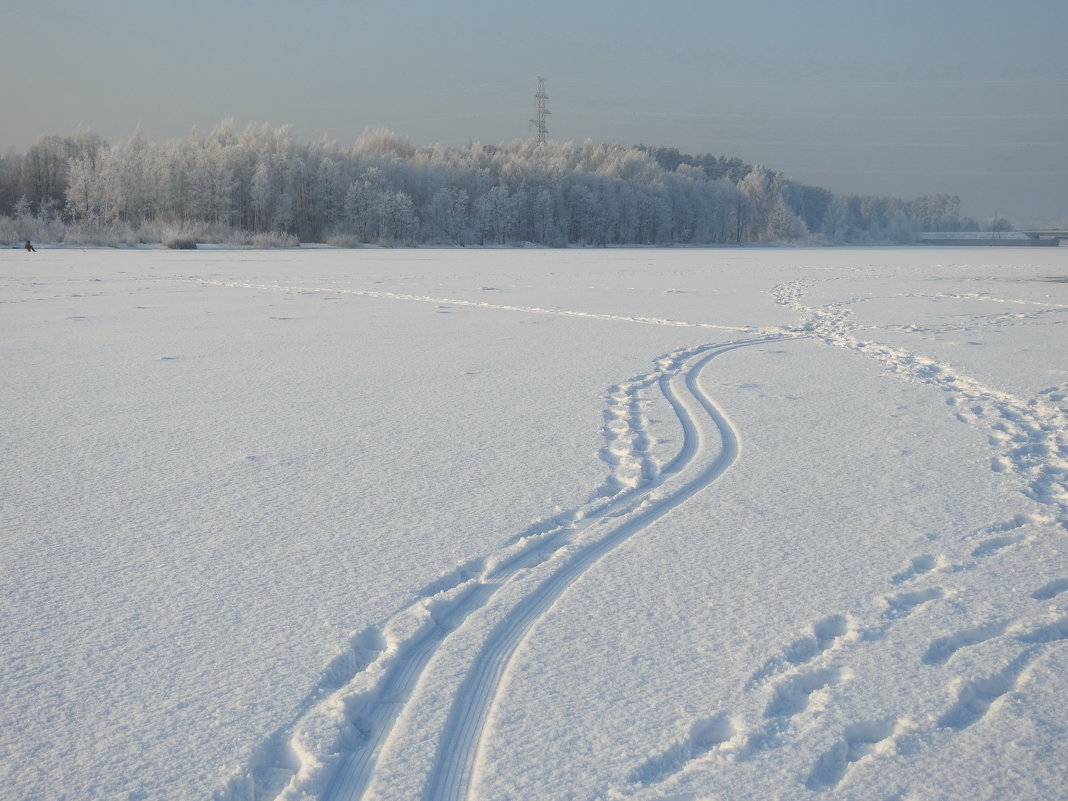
(331, 747)
(474, 304)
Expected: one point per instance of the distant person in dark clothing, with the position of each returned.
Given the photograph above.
(29, 247)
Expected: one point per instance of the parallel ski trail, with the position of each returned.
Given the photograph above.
(454, 767)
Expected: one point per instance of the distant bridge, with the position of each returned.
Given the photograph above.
(1044, 238)
(1053, 233)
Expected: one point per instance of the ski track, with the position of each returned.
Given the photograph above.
(1030, 439)
(454, 765)
(331, 746)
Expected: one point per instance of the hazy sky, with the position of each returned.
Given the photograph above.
(895, 97)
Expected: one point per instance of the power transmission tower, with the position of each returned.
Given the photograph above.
(541, 112)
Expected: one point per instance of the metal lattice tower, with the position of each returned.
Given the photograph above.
(541, 99)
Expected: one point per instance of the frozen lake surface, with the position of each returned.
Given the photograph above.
(534, 524)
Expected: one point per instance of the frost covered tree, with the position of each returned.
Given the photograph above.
(86, 197)
(327, 199)
(448, 214)
(364, 204)
(45, 171)
(777, 219)
(399, 221)
(495, 216)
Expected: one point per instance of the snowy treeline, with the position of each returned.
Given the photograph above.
(261, 185)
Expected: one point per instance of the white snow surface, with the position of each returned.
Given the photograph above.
(534, 524)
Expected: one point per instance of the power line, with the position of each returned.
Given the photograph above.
(541, 111)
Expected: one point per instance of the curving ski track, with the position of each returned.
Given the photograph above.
(459, 743)
(578, 539)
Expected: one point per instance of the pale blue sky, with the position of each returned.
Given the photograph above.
(900, 98)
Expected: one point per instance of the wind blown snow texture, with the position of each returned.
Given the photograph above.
(629, 524)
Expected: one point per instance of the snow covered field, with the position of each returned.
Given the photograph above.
(528, 524)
